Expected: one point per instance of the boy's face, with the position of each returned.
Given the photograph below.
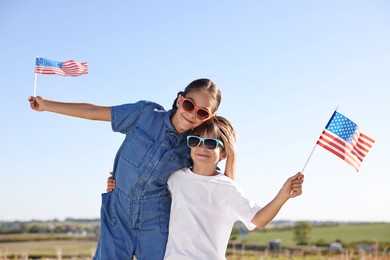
(203, 156)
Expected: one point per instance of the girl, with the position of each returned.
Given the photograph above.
(135, 217)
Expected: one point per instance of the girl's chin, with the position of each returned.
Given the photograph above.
(189, 122)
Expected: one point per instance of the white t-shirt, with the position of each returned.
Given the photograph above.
(203, 212)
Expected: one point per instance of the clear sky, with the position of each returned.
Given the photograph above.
(282, 66)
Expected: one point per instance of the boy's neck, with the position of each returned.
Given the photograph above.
(205, 170)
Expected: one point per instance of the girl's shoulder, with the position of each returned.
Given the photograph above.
(153, 105)
(140, 105)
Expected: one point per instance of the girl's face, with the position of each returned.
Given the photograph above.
(192, 110)
(207, 157)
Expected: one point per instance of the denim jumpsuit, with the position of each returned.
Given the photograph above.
(135, 216)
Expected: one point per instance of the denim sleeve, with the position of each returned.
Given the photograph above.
(124, 117)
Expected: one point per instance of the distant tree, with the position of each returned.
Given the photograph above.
(302, 233)
(38, 229)
(322, 242)
(58, 229)
(3, 230)
(24, 228)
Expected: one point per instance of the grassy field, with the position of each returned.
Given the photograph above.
(75, 249)
(344, 233)
(50, 246)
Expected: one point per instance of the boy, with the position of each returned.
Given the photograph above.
(206, 204)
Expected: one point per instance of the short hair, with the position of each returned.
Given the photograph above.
(213, 126)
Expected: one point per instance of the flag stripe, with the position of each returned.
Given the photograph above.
(341, 150)
(48, 70)
(332, 142)
(356, 166)
(355, 147)
(346, 148)
(341, 153)
(73, 68)
(369, 139)
(361, 150)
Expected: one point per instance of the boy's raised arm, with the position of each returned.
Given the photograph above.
(291, 188)
(230, 150)
(81, 110)
(230, 167)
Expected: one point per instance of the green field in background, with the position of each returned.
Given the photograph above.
(51, 245)
(345, 233)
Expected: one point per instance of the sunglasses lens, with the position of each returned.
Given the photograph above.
(210, 144)
(203, 114)
(188, 105)
(193, 141)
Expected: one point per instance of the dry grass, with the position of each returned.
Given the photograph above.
(68, 249)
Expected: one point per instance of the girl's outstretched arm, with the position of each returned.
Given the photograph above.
(81, 110)
(291, 188)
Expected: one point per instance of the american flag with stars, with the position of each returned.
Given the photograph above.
(66, 68)
(342, 137)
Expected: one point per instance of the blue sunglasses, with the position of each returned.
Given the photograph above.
(209, 143)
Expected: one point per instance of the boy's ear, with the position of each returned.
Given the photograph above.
(223, 155)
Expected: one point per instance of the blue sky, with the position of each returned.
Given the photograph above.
(282, 66)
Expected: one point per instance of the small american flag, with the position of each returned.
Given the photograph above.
(343, 138)
(66, 68)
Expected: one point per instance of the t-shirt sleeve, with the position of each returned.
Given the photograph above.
(170, 182)
(243, 208)
(124, 117)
